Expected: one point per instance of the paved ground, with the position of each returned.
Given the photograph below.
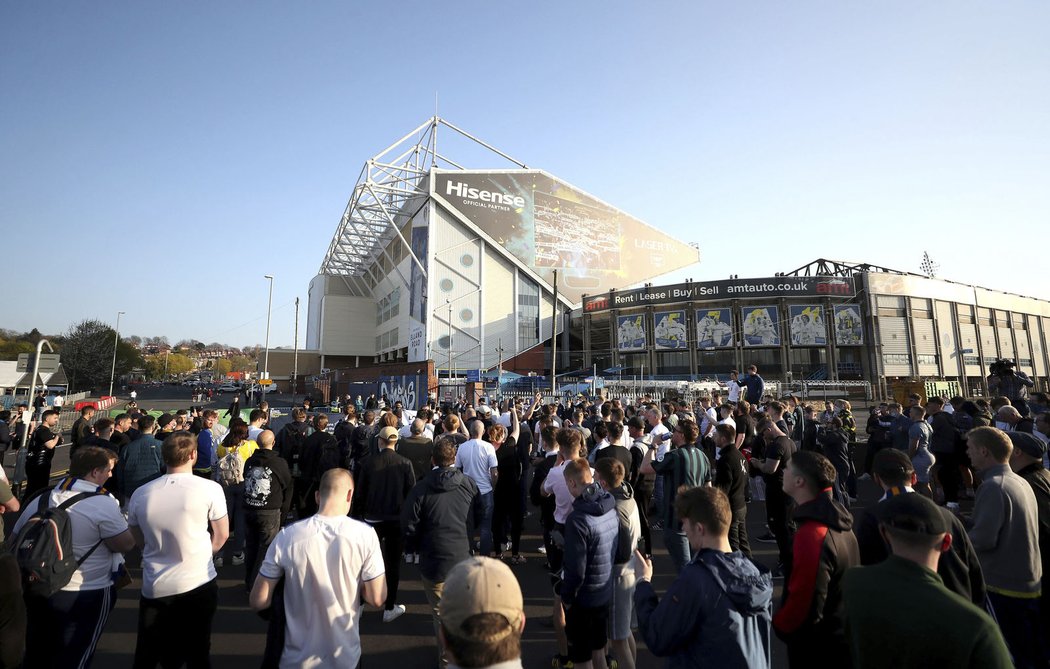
(239, 635)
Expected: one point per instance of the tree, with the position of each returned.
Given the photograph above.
(135, 341)
(242, 363)
(200, 346)
(176, 364)
(223, 366)
(87, 353)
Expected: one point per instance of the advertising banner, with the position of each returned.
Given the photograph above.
(549, 225)
(630, 332)
(696, 291)
(761, 326)
(849, 329)
(807, 325)
(669, 331)
(714, 328)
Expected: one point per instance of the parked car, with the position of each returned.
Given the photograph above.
(229, 388)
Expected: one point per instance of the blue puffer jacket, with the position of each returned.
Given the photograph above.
(716, 614)
(591, 531)
(140, 462)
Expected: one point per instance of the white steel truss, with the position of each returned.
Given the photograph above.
(391, 188)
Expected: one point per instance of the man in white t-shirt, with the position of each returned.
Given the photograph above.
(170, 518)
(330, 563)
(733, 386)
(477, 459)
(64, 628)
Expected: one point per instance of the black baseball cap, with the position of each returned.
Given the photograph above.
(1029, 444)
(911, 512)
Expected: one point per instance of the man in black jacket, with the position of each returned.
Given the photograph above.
(435, 521)
(290, 445)
(1026, 460)
(958, 567)
(267, 501)
(417, 448)
(80, 430)
(384, 483)
(732, 479)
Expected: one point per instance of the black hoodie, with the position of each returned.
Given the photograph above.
(436, 519)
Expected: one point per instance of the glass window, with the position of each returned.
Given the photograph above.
(528, 313)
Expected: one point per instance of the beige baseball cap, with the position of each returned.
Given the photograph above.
(388, 434)
(480, 585)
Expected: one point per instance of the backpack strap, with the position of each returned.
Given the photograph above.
(75, 498)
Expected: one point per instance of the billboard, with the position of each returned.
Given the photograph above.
(669, 330)
(806, 325)
(761, 326)
(698, 291)
(714, 328)
(630, 332)
(549, 225)
(849, 328)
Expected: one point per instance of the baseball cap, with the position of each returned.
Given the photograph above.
(1029, 444)
(480, 585)
(484, 410)
(911, 512)
(388, 433)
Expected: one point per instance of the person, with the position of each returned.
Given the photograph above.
(899, 613)
(919, 435)
(506, 499)
(615, 448)
(609, 473)
(256, 422)
(165, 427)
(834, 445)
(1005, 381)
(140, 461)
(206, 444)
(12, 610)
(642, 483)
(40, 453)
(64, 628)
(235, 407)
(320, 452)
(290, 446)
(945, 445)
(733, 387)
(477, 459)
(685, 465)
(80, 430)
(1004, 530)
(586, 587)
(329, 564)
(810, 620)
(418, 448)
(482, 616)
(39, 402)
(231, 457)
(718, 610)
(958, 567)
(384, 483)
(433, 520)
(134, 394)
(754, 385)
(777, 451)
(1026, 460)
(180, 521)
(731, 478)
(267, 501)
(121, 431)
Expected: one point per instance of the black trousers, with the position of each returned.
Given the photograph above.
(507, 511)
(391, 542)
(777, 503)
(738, 540)
(949, 474)
(260, 529)
(303, 498)
(176, 630)
(37, 478)
(643, 498)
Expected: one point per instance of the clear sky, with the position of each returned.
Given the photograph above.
(159, 158)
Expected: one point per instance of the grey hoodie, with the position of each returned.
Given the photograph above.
(630, 526)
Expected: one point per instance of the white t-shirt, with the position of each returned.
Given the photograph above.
(173, 513)
(476, 457)
(664, 445)
(253, 433)
(90, 519)
(324, 560)
(563, 499)
(734, 390)
(58, 401)
(406, 431)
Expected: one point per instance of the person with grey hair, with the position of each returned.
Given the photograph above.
(1007, 418)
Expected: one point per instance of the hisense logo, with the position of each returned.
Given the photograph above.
(463, 190)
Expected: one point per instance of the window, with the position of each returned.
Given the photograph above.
(926, 359)
(896, 359)
(528, 313)
(389, 306)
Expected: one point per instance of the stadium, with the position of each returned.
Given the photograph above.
(437, 271)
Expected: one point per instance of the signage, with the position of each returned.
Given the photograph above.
(630, 332)
(807, 325)
(849, 329)
(473, 376)
(697, 291)
(714, 328)
(761, 326)
(669, 330)
(265, 382)
(49, 362)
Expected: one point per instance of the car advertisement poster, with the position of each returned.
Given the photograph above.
(550, 225)
(849, 329)
(714, 328)
(807, 325)
(630, 332)
(669, 330)
(761, 326)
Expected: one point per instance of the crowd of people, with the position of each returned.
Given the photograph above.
(321, 516)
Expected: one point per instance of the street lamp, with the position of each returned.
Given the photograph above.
(266, 355)
(113, 367)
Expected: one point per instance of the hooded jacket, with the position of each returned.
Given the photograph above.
(630, 525)
(811, 617)
(716, 614)
(591, 531)
(436, 519)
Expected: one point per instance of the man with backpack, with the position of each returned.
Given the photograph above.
(320, 453)
(73, 531)
(267, 501)
(290, 442)
(344, 430)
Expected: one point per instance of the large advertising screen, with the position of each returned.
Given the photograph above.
(761, 326)
(807, 325)
(714, 328)
(849, 329)
(669, 330)
(550, 225)
(630, 332)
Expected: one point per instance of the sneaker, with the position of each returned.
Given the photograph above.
(561, 662)
(506, 546)
(864, 477)
(218, 561)
(408, 558)
(394, 613)
(517, 559)
(767, 538)
(611, 663)
(542, 550)
(238, 559)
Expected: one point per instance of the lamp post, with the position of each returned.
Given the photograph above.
(20, 472)
(113, 367)
(266, 355)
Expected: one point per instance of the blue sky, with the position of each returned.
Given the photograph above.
(159, 158)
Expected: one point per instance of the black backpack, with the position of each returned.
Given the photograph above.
(292, 449)
(331, 457)
(43, 548)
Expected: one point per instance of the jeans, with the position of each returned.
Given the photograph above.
(392, 542)
(260, 529)
(1018, 620)
(235, 511)
(643, 497)
(433, 592)
(64, 628)
(678, 547)
(176, 630)
(483, 522)
(777, 503)
(738, 540)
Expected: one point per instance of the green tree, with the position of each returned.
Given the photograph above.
(223, 366)
(243, 363)
(179, 364)
(87, 353)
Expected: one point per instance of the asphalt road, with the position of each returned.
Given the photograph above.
(238, 636)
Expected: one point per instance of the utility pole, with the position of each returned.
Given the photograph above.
(269, 305)
(499, 369)
(295, 357)
(449, 338)
(113, 367)
(554, 339)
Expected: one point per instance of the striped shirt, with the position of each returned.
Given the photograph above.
(685, 466)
